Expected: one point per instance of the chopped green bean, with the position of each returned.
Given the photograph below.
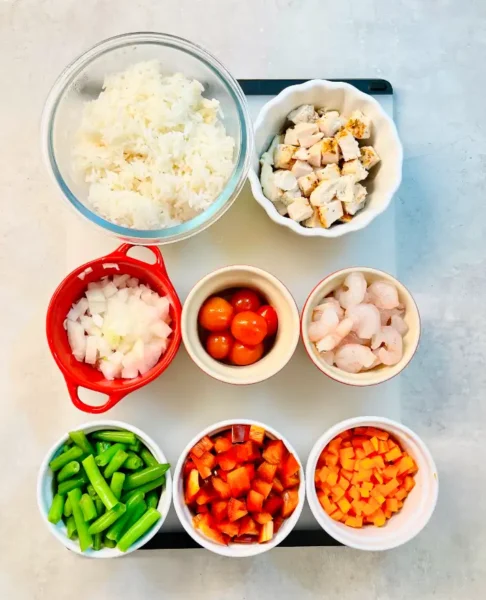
(116, 483)
(148, 487)
(56, 510)
(97, 541)
(69, 470)
(91, 491)
(103, 459)
(152, 499)
(115, 463)
(148, 458)
(124, 437)
(117, 530)
(68, 511)
(73, 453)
(65, 447)
(139, 529)
(138, 511)
(88, 507)
(109, 543)
(96, 478)
(85, 538)
(71, 484)
(107, 519)
(100, 447)
(135, 447)
(145, 476)
(80, 439)
(71, 527)
(133, 462)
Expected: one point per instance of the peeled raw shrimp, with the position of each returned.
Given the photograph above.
(326, 324)
(353, 290)
(399, 324)
(387, 313)
(366, 320)
(318, 310)
(352, 358)
(330, 341)
(328, 357)
(352, 338)
(383, 294)
(389, 345)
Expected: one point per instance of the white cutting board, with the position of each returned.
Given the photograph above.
(300, 401)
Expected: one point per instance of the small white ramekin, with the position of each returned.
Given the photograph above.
(417, 508)
(185, 515)
(384, 179)
(45, 493)
(382, 373)
(275, 293)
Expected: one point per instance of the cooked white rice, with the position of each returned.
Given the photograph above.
(152, 149)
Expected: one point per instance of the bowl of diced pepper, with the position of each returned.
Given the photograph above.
(104, 489)
(372, 484)
(239, 488)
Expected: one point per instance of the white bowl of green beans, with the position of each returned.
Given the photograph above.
(104, 489)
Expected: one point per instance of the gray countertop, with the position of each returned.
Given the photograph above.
(433, 51)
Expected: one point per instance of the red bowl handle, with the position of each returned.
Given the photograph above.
(113, 399)
(125, 248)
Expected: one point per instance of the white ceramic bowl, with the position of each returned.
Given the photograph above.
(383, 180)
(185, 515)
(381, 373)
(45, 494)
(417, 508)
(276, 294)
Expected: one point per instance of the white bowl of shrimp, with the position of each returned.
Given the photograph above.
(360, 326)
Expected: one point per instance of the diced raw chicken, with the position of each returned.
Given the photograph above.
(355, 168)
(329, 151)
(359, 125)
(330, 213)
(303, 114)
(307, 183)
(285, 180)
(330, 123)
(283, 155)
(349, 146)
(301, 168)
(369, 157)
(300, 210)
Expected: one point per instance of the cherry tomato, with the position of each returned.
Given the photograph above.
(242, 355)
(245, 299)
(270, 316)
(249, 328)
(219, 345)
(215, 314)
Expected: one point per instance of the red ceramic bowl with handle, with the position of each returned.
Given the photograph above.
(79, 374)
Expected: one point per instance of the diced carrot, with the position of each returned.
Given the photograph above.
(290, 501)
(231, 529)
(390, 472)
(379, 433)
(405, 464)
(357, 465)
(375, 443)
(239, 481)
(358, 507)
(344, 483)
(393, 454)
(331, 459)
(277, 485)
(392, 444)
(409, 483)
(354, 493)
(348, 464)
(360, 453)
(328, 505)
(263, 487)
(378, 462)
(332, 479)
(358, 441)
(240, 433)
(222, 488)
(275, 452)
(366, 463)
(273, 504)
(345, 453)
(192, 486)
(257, 434)
(337, 515)
(266, 533)
(204, 445)
(382, 447)
(347, 474)
(392, 504)
(368, 447)
(254, 501)
(222, 444)
(266, 471)
(364, 475)
(378, 476)
(337, 493)
(333, 446)
(367, 485)
(344, 505)
(377, 496)
(262, 518)
(322, 474)
(400, 504)
(390, 487)
(401, 494)
(219, 510)
(236, 509)
(247, 526)
(379, 518)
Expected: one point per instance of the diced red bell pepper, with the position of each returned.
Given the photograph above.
(277, 523)
(206, 494)
(262, 517)
(239, 482)
(222, 488)
(248, 526)
(250, 469)
(254, 501)
(205, 464)
(273, 504)
(240, 434)
(222, 474)
(263, 487)
(204, 445)
(231, 529)
(290, 501)
(266, 471)
(244, 539)
(227, 460)
(243, 452)
(266, 533)
(219, 510)
(192, 486)
(205, 525)
(202, 509)
(290, 465)
(236, 509)
(257, 434)
(275, 451)
(188, 467)
(222, 444)
(277, 486)
(290, 481)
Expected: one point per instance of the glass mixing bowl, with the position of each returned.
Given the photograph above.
(82, 81)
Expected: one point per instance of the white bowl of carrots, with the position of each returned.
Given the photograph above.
(372, 483)
(45, 492)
